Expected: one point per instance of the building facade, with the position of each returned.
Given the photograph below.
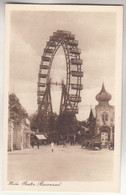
(18, 125)
(105, 114)
(102, 120)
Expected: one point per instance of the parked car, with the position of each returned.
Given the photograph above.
(111, 146)
(96, 146)
(85, 144)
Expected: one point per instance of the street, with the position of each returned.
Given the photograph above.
(71, 163)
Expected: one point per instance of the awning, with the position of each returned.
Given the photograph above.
(41, 137)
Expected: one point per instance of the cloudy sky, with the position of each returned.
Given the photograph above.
(30, 30)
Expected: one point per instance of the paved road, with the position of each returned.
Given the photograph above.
(64, 164)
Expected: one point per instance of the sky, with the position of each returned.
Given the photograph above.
(30, 30)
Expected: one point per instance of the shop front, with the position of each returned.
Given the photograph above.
(105, 136)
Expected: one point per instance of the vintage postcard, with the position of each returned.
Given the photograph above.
(62, 98)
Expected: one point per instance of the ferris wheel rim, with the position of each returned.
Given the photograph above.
(72, 53)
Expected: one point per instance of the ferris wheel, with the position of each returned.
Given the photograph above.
(71, 90)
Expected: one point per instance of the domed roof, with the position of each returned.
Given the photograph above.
(103, 96)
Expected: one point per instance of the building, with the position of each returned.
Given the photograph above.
(91, 123)
(101, 123)
(18, 125)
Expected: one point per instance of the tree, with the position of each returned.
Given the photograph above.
(34, 122)
(66, 123)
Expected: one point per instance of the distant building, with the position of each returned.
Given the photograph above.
(91, 123)
(18, 125)
(101, 122)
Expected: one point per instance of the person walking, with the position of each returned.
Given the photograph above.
(52, 146)
(64, 144)
(38, 144)
(32, 143)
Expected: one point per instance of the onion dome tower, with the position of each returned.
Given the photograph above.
(105, 117)
(103, 97)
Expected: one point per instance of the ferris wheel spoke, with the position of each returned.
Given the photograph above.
(71, 91)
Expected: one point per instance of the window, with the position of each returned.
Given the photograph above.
(104, 117)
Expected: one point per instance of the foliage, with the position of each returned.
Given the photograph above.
(66, 123)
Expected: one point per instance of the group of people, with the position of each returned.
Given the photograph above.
(51, 145)
(33, 143)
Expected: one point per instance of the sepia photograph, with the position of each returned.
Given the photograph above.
(62, 98)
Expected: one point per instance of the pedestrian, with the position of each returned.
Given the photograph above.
(38, 144)
(52, 146)
(32, 143)
(64, 144)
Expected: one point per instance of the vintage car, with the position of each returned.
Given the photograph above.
(111, 146)
(96, 146)
(85, 144)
